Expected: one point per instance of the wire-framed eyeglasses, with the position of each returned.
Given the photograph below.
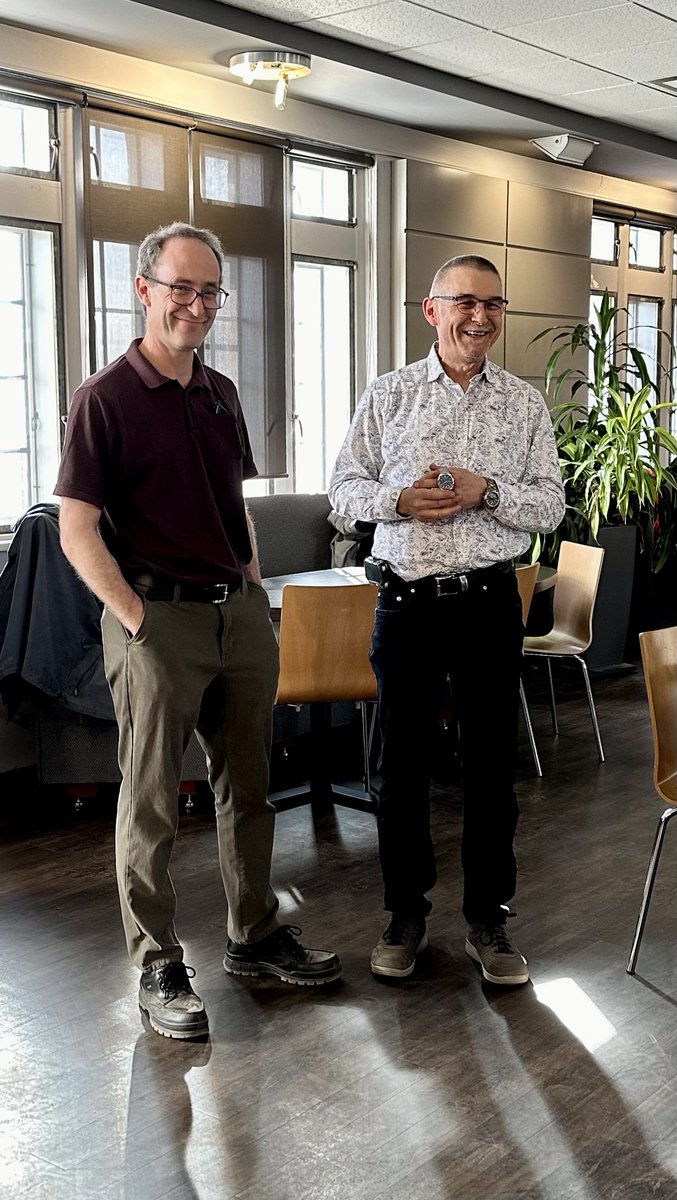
(468, 304)
(184, 295)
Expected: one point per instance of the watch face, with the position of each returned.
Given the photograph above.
(492, 498)
(445, 480)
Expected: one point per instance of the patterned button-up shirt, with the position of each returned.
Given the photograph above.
(412, 417)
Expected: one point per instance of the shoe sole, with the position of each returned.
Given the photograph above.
(400, 973)
(232, 967)
(505, 980)
(179, 1034)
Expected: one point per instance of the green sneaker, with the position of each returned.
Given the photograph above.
(501, 962)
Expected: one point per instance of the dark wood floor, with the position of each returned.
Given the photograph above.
(435, 1087)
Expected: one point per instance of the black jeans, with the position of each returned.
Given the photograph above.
(474, 638)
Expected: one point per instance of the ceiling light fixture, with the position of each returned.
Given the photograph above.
(278, 65)
(566, 148)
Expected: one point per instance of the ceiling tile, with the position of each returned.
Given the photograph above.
(295, 10)
(667, 7)
(475, 52)
(390, 26)
(641, 63)
(614, 28)
(501, 14)
(627, 99)
(558, 78)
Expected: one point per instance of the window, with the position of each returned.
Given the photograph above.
(144, 174)
(323, 368)
(118, 316)
(643, 327)
(27, 139)
(321, 192)
(645, 247)
(29, 376)
(329, 306)
(604, 240)
(644, 288)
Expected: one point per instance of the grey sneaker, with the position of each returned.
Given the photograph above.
(395, 954)
(172, 1006)
(501, 962)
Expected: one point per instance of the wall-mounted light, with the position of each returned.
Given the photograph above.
(278, 65)
(566, 148)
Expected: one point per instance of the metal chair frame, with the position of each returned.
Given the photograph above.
(659, 658)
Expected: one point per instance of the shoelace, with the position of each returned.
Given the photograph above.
(285, 937)
(173, 979)
(497, 936)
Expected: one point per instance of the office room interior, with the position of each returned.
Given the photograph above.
(542, 137)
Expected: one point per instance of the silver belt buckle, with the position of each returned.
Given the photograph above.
(440, 579)
(222, 599)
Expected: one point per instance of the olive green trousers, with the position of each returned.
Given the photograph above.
(211, 668)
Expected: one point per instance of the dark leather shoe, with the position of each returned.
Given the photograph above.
(172, 1006)
(282, 955)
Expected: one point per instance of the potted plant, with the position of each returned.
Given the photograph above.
(619, 490)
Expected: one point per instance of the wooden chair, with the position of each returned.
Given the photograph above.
(526, 582)
(578, 571)
(659, 657)
(325, 635)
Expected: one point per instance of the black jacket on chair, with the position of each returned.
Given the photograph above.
(50, 636)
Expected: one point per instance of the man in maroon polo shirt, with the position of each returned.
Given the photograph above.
(153, 520)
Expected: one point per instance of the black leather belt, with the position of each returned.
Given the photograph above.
(445, 585)
(205, 593)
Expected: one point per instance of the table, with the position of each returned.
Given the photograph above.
(332, 577)
(546, 578)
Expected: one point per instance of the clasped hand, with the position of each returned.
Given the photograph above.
(425, 501)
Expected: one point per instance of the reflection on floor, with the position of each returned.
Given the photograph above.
(435, 1087)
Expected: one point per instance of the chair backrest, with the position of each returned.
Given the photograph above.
(526, 582)
(292, 532)
(325, 635)
(578, 571)
(659, 657)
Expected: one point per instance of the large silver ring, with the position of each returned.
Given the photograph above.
(446, 480)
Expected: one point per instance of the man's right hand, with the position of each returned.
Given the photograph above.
(426, 503)
(132, 622)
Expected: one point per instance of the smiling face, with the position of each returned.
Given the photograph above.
(464, 339)
(177, 328)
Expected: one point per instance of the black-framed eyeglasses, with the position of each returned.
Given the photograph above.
(468, 304)
(184, 295)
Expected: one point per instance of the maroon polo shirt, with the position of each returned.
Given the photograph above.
(165, 464)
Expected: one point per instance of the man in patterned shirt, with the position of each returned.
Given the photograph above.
(455, 460)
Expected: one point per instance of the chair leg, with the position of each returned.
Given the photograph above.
(553, 706)
(593, 711)
(530, 731)
(366, 778)
(648, 887)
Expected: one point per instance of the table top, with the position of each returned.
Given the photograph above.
(342, 576)
(333, 577)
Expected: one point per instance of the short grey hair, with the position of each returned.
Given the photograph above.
(154, 243)
(463, 260)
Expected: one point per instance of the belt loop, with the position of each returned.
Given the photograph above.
(464, 582)
(176, 596)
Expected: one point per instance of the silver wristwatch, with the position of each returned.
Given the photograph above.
(492, 496)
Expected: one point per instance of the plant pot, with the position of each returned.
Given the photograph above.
(614, 598)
